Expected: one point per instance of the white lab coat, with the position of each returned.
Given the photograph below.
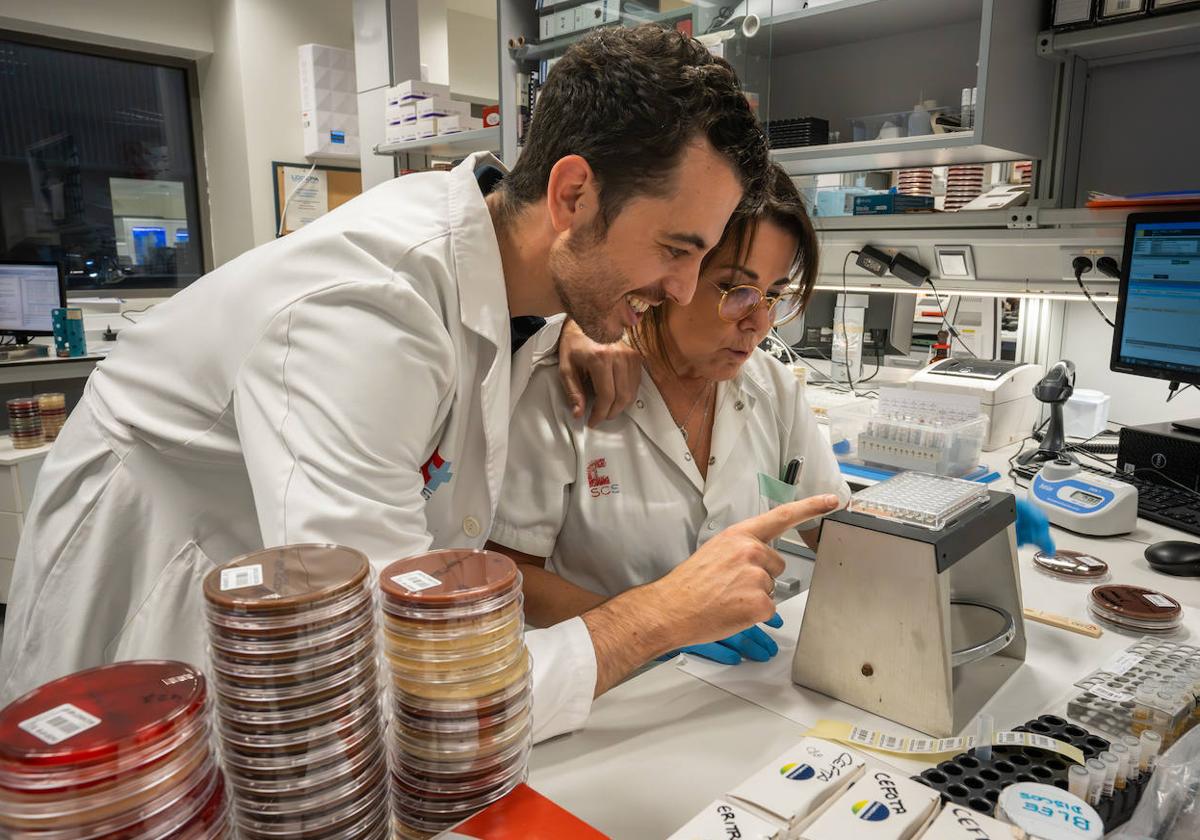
(622, 504)
(348, 383)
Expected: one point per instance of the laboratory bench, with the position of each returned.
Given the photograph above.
(661, 746)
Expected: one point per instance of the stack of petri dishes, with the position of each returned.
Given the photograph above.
(1135, 608)
(53, 409)
(294, 655)
(121, 751)
(25, 423)
(461, 680)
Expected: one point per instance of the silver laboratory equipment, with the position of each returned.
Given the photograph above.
(915, 612)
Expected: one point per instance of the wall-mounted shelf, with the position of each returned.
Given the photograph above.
(1144, 37)
(854, 21)
(897, 153)
(447, 145)
(555, 46)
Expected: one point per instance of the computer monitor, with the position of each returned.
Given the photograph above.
(29, 292)
(888, 312)
(1157, 332)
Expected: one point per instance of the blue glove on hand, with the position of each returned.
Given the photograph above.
(1033, 528)
(751, 643)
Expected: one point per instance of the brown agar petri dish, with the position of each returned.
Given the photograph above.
(119, 751)
(294, 655)
(454, 645)
(1135, 608)
(1071, 565)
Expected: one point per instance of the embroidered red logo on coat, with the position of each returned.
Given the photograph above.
(598, 483)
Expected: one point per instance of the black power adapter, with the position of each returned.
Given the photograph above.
(873, 260)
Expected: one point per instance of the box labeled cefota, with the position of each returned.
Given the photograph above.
(882, 805)
(958, 823)
(721, 820)
(796, 784)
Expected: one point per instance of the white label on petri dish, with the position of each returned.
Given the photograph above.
(416, 581)
(241, 576)
(1158, 600)
(1090, 562)
(59, 724)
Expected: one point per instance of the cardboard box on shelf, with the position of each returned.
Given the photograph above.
(456, 124)
(416, 89)
(441, 106)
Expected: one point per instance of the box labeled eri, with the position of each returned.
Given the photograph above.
(881, 806)
(959, 823)
(721, 820)
(797, 783)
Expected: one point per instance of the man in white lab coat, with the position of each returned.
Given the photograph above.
(352, 383)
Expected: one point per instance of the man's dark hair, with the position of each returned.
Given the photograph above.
(629, 101)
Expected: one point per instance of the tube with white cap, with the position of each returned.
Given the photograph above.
(1121, 752)
(1095, 780)
(1110, 761)
(1078, 781)
(1151, 743)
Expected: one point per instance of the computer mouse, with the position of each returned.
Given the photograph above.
(1175, 557)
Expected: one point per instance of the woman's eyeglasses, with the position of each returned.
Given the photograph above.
(740, 302)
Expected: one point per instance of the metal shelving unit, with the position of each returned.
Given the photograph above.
(1132, 40)
(855, 21)
(552, 46)
(446, 145)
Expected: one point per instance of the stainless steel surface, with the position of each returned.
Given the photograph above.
(978, 630)
(878, 631)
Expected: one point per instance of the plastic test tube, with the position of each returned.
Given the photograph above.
(1151, 741)
(1111, 762)
(1134, 745)
(1095, 780)
(983, 748)
(1078, 781)
(1121, 752)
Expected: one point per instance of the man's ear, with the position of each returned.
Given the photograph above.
(572, 195)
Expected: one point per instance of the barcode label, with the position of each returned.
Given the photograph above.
(863, 736)
(1121, 663)
(1040, 741)
(59, 724)
(1110, 694)
(1008, 739)
(953, 744)
(1158, 600)
(416, 581)
(1090, 562)
(921, 745)
(891, 743)
(241, 576)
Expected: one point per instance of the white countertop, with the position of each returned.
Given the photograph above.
(662, 745)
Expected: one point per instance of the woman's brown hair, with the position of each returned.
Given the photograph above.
(781, 204)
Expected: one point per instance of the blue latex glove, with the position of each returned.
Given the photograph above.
(1033, 528)
(751, 643)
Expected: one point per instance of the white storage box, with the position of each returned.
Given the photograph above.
(1086, 413)
(440, 106)
(416, 89)
(455, 124)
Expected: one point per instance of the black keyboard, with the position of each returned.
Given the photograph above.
(1157, 502)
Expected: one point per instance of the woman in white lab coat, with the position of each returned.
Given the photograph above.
(591, 512)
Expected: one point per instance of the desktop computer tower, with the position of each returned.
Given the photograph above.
(1159, 450)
